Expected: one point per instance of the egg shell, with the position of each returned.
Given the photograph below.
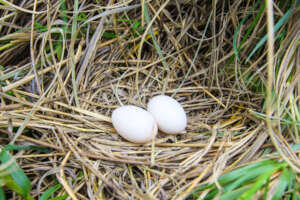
(168, 113)
(134, 124)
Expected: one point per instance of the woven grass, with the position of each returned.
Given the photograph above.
(61, 82)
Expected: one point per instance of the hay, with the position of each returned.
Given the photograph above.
(89, 159)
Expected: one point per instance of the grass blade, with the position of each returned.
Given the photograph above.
(154, 39)
(16, 178)
(253, 24)
(234, 194)
(250, 175)
(62, 197)
(240, 172)
(235, 48)
(278, 25)
(49, 192)
(11, 147)
(237, 178)
(284, 181)
(2, 196)
(262, 179)
(73, 67)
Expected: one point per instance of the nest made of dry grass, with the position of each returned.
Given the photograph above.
(67, 108)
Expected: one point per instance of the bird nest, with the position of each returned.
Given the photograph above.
(61, 93)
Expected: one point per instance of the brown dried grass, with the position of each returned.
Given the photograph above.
(221, 135)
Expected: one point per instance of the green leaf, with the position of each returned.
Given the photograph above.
(6, 180)
(284, 181)
(49, 192)
(16, 179)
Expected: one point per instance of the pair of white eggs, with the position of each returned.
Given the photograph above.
(140, 126)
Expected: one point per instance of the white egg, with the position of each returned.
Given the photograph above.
(134, 124)
(168, 113)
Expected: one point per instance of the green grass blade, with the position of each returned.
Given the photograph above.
(249, 176)
(296, 195)
(253, 24)
(262, 179)
(63, 9)
(195, 55)
(19, 181)
(266, 189)
(62, 197)
(234, 194)
(58, 48)
(12, 147)
(204, 187)
(211, 194)
(39, 28)
(157, 47)
(136, 27)
(236, 178)
(278, 25)
(240, 172)
(235, 48)
(2, 195)
(59, 45)
(49, 192)
(284, 181)
(109, 35)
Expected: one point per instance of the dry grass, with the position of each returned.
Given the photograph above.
(63, 101)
